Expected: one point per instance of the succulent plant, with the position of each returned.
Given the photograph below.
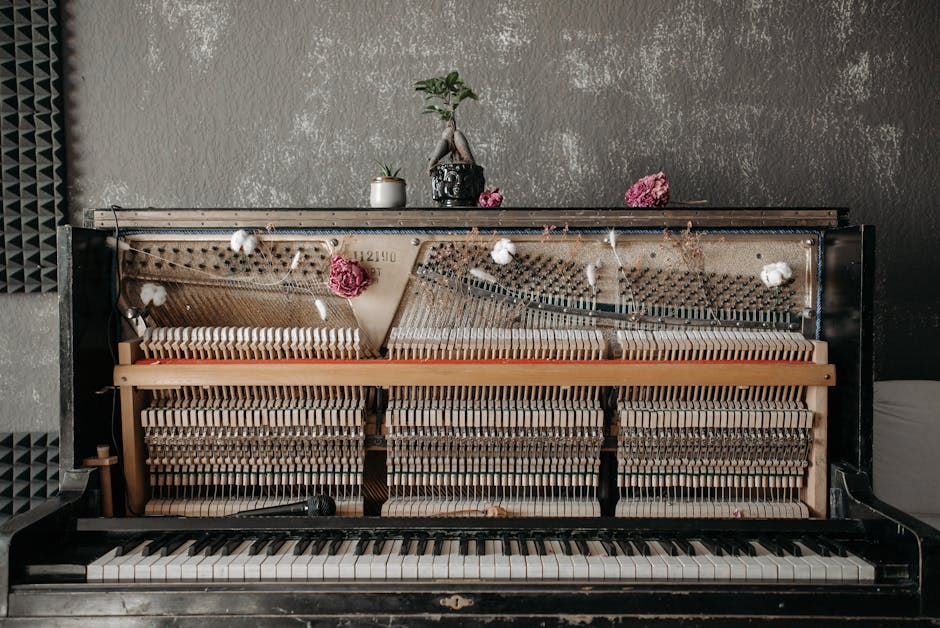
(449, 90)
(387, 170)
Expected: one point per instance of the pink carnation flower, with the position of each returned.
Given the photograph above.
(491, 198)
(348, 278)
(650, 191)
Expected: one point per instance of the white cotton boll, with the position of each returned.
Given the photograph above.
(612, 239)
(482, 275)
(774, 275)
(153, 293)
(591, 271)
(321, 308)
(238, 240)
(250, 244)
(295, 263)
(503, 251)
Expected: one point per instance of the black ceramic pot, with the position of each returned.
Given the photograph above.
(457, 185)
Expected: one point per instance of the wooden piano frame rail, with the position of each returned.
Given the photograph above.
(135, 376)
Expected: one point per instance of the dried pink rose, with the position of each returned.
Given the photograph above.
(650, 191)
(491, 198)
(348, 278)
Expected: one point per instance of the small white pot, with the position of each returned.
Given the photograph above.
(387, 192)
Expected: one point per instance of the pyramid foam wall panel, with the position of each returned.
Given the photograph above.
(32, 153)
(29, 470)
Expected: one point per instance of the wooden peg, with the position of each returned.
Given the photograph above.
(104, 462)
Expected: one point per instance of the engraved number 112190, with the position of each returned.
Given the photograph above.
(375, 255)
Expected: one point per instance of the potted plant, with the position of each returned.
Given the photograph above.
(459, 181)
(388, 190)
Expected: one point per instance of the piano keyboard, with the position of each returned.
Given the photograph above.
(489, 556)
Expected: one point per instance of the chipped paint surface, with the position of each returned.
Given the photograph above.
(214, 103)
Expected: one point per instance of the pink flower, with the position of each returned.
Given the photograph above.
(650, 191)
(491, 198)
(348, 278)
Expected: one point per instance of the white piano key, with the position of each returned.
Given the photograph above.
(517, 562)
(252, 566)
(609, 564)
(866, 571)
(123, 566)
(471, 562)
(409, 563)
(426, 562)
(317, 562)
(393, 564)
(171, 568)
(549, 563)
(440, 564)
(269, 567)
(142, 567)
(94, 572)
(347, 564)
(823, 570)
(488, 561)
(534, 563)
(564, 563)
(708, 568)
(205, 568)
(331, 564)
(455, 562)
(769, 571)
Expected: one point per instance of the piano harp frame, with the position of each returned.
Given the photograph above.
(134, 379)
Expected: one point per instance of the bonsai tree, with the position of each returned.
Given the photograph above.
(447, 92)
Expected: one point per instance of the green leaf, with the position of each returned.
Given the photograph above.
(452, 78)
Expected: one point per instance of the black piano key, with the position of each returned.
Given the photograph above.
(334, 545)
(713, 547)
(276, 544)
(302, 544)
(258, 544)
(438, 546)
(507, 545)
(216, 544)
(771, 546)
(582, 546)
(422, 546)
(130, 544)
(540, 546)
(481, 545)
(609, 546)
(405, 545)
(671, 548)
(523, 545)
(201, 543)
(814, 546)
(463, 545)
(645, 548)
(833, 546)
(361, 544)
(789, 546)
(173, 544)
(319, 544)
(154, 546)
(626, 547)
(379, 544)
(565, 545)
(686, 547)
(231, 545)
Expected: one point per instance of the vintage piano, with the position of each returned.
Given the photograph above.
(581, 415)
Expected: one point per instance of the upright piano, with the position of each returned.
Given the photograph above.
(409, 417)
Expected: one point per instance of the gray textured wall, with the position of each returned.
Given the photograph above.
(284, 103)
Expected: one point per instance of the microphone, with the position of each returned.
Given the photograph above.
(313, 506)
